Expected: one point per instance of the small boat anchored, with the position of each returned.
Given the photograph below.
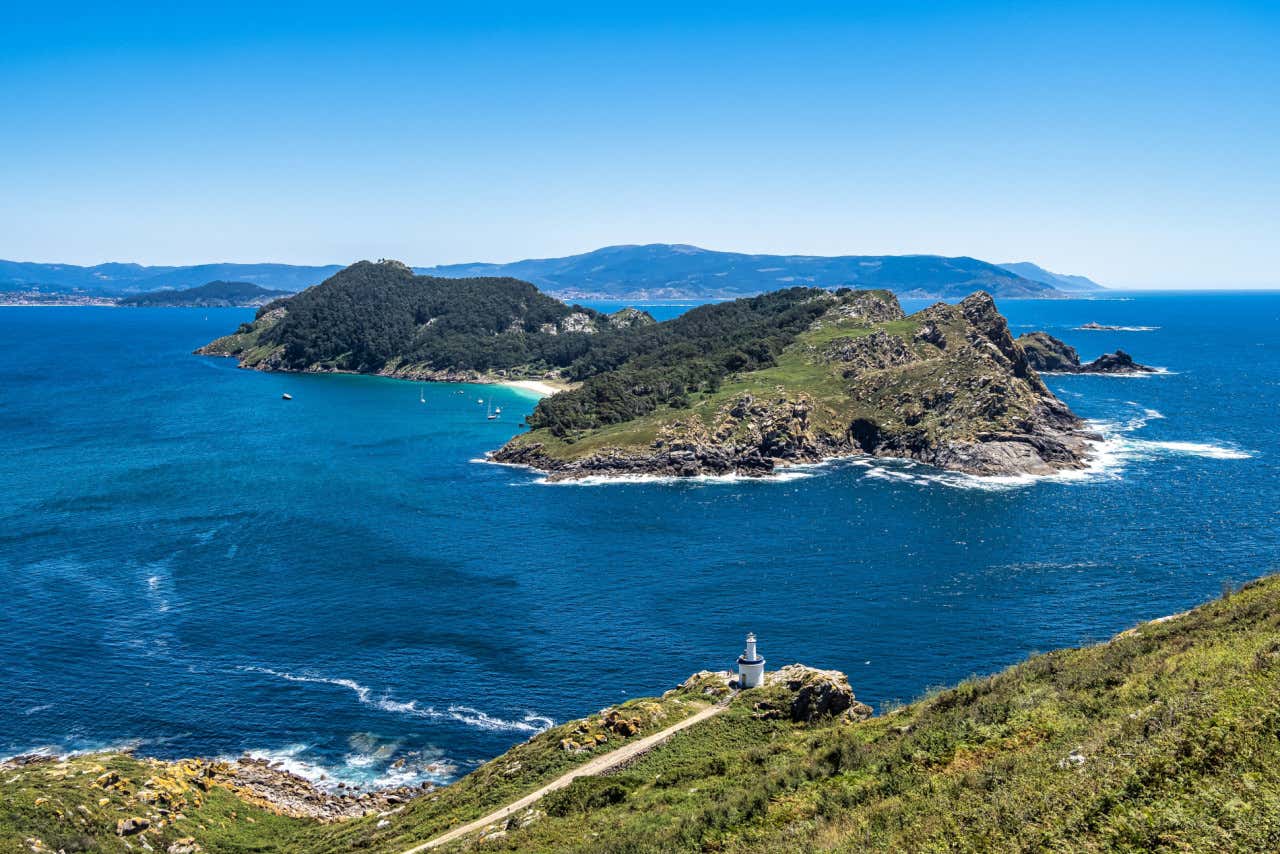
(492, 415)
(286, 396)
(422, 395)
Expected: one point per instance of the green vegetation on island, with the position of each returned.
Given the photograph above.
(795, 375)
(832, 374)
(381, 318)
(210, 295)
(1165, 738)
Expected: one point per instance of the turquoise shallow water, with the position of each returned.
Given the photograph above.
(193, 565)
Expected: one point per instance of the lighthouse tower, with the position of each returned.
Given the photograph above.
(750, 666)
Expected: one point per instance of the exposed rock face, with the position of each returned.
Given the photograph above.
(947, 386)
(625, 318)
(818, 693)
(811, 695)
(870, 352)
(1046, 353)
(814, 693)
(259, 782)
(869, 306)
(751, 437)
(578, 322)
(1118, 362)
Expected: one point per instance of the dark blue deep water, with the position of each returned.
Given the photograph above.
(192, 565)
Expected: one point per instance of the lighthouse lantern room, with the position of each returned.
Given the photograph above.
(750, 665)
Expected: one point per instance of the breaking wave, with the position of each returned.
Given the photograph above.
(1108, 458)
(1118, 329)
(530, 723)
(368, 765)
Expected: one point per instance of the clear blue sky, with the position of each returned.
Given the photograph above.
(1138, 144)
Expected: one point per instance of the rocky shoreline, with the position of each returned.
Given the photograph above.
(411, 373)
(1051, 355)
(958, 393)
(1056, 441)
(175, 785)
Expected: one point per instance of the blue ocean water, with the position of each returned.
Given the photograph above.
(192, 565)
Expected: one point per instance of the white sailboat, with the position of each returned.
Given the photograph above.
(422, 395)
(492, 415)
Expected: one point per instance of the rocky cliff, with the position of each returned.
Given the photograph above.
(947, 386)
(1049, 354)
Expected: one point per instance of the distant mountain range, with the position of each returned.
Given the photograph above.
(675, 271)
(1060, 281)
(137, 278)
(654, 271)
(212, 295)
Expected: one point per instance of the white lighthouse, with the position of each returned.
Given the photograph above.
(750, 666)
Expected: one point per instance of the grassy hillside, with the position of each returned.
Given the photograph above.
(831, 374)
(1166, 738)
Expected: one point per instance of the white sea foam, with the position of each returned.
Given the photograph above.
(531, 723)
(371, 770)
(1108, 457)
(781, 476)
(1119, 329)
(1194, 449)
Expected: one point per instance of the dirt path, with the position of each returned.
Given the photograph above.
(598, 765)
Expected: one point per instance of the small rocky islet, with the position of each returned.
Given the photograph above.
(1050, 355)
(742, 387)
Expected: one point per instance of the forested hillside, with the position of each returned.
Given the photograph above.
(210, 295)
(381, 318)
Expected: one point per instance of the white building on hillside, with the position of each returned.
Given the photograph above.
(750, 666)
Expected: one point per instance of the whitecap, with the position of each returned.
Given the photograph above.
(1118, 329)
(530, 723)
(783, 475)
(370, 764)
(1194, 449)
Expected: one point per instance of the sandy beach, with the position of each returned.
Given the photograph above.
(539, 387)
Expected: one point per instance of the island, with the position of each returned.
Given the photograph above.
(1051, 355)
(1160, 739)
(741, 387)
(210, 295)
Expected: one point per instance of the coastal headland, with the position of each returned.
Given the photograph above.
(1162, 738)
(741, 387)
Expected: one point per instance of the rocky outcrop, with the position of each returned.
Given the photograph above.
(1048, 354)
(818, 693)
(259, 782)
(948, 386)
(869, 352)
(808, 695)
(1118, 362)
(751, 437)
(626, 318)
(875, 306)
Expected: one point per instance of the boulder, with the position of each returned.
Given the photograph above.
(130, 826)
(817, 693)
(1046, 353)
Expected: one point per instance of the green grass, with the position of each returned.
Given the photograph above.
(517, 772)
(1177, 727)
(1166, 738)
(800, 371)
(60, 805)
(824, 333)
